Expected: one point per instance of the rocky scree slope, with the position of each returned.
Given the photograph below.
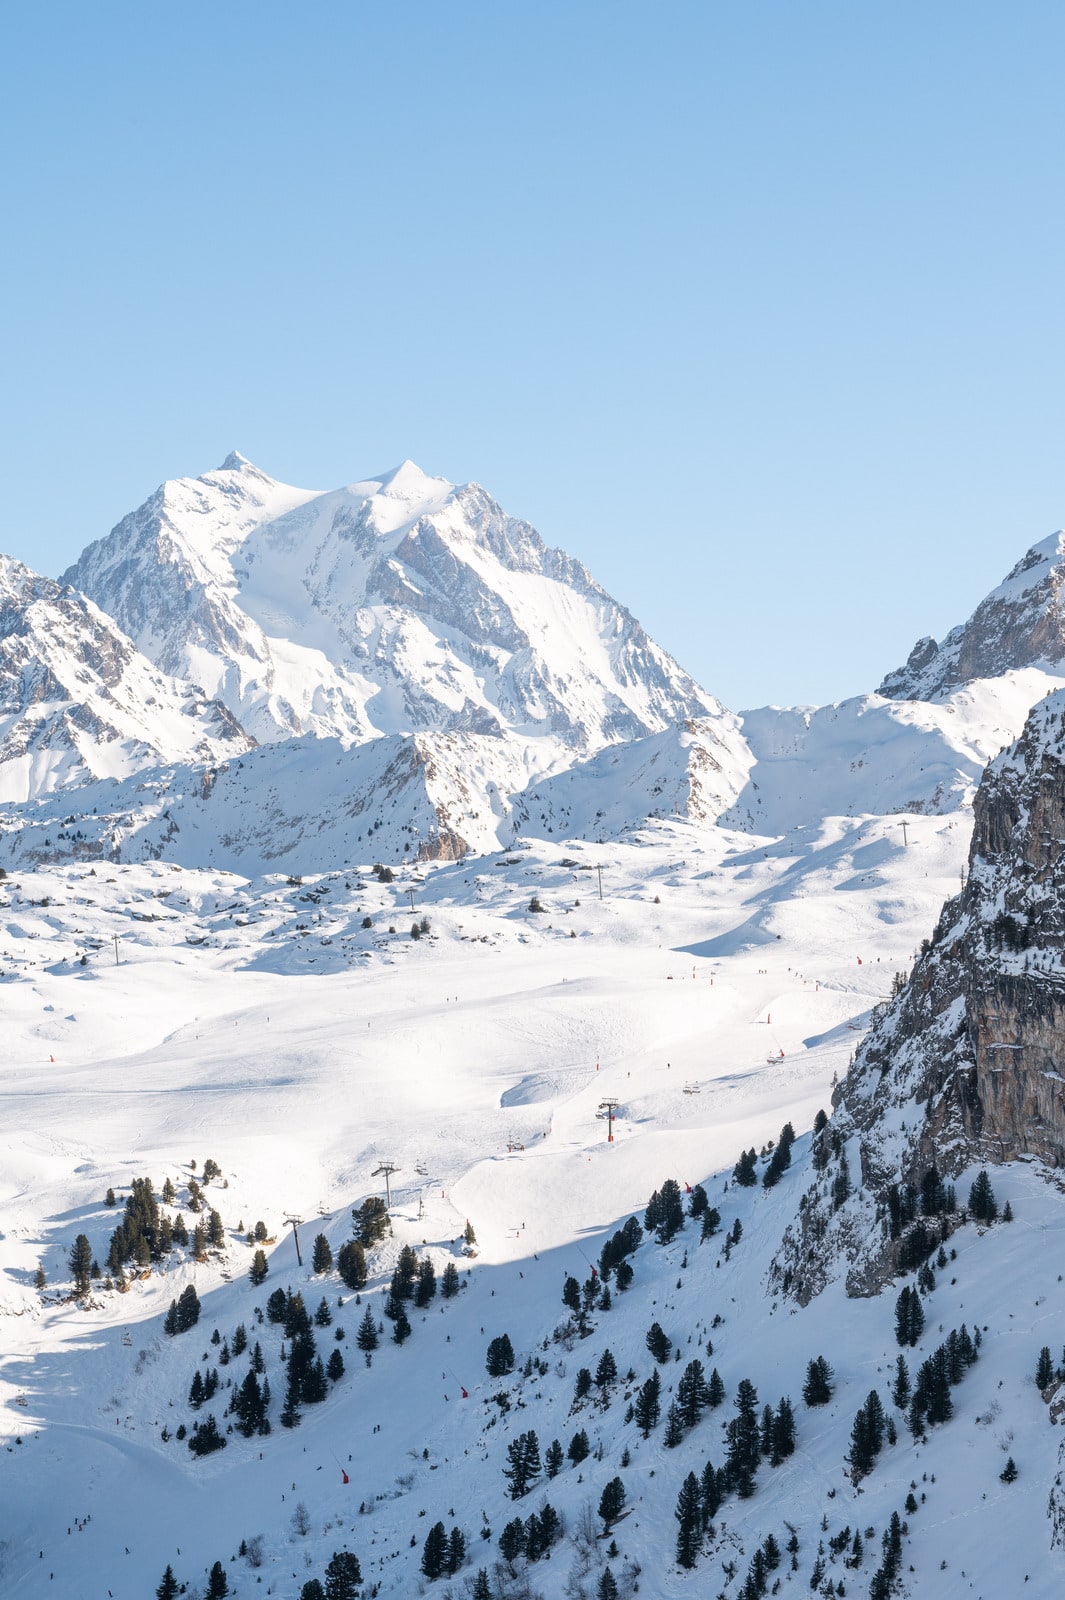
(967, 1063)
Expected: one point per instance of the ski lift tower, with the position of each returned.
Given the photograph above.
(294, 1223)
(386, 1170)
(609, 1106)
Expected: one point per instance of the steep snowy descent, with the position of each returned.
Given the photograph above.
(393, 605)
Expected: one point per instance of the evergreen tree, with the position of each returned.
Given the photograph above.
(571, 1294)
(745, 1171)
(909, 1316)
(982, 1203)
(205, 1437)
(469, 1235)
(434, 1551)
(607, 1588)
(670, 1212)
(900, 1389)
(512, 1541)
(482, 1589)
(367, 1337)
(425, 1290)
(607, 1370)
(780, 1160)
(449, 1282)
(841, 1183)
(499, 1358)
(351, 1265)
(342, 1576)
(711, 1223)
(648, 1406)
(711, 1489)
(322, 1257)
(699, 1201)
(402, 1329)
(578, 1447)
(744, 1441)
(456, 1551)
(658, 1344)
(217, 1582)
(1009, 1471)
(715, 1390)
(693, 1394)
(371, 1222)
(782, 1433)
(674, 1431)
(259, 1268)
(523, 1464)
(335, 1366)
(553, 1459)
(168, 1588)
(1044, 1369)
(406, 1274)
(81, 1264)
(817, 1389)
(323, 1317)
(690, 1520)
(612, 1503)
(216, 1236)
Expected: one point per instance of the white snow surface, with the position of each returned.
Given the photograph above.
(715, 991)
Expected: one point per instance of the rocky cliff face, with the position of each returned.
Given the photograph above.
(968, 1062)
(1019, 624)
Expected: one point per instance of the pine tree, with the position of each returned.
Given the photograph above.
(217, 1582)
(571, 1294)
(402, 1329)
(674, 1431)
(342, 1576)
(658, 1344)
(425, 1291)
(693, 1394)
(909, 1316)
(80, 1264)
(782, 1434)
(612, 1502)
(712, 1490)
(607, 1588)
(711, 1223)
(553, 1459)
(689, 1517)
(578, 1447)
(456, 1551)
(371, 1222)
(259, 1268)
(607, 1370)
(982, 1203)
(523, 1464)
(168, 1588)
(900, 1389)
(780, 1160)
(322, 1258)
(744, 1443)
(1009, 1471)
(715, 1390)
(482, 1589)
(216, 1236)
(1044, 1369)
(648, 1406)
(351, 1264)
(449, 1282)
(499, 1358)
(335, 1366)
(817, 1389)
(745, 1171)
(367, 1337)
(434, 1551)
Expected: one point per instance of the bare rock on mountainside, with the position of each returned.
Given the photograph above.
(1019, 624)
(967, 1064)
(78, 701)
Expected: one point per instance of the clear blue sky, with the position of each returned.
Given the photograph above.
(756, 308)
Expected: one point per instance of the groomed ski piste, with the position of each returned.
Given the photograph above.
(715, 992)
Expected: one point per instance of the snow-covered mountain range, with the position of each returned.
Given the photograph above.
(361, 830)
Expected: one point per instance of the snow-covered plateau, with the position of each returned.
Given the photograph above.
(361, 830)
